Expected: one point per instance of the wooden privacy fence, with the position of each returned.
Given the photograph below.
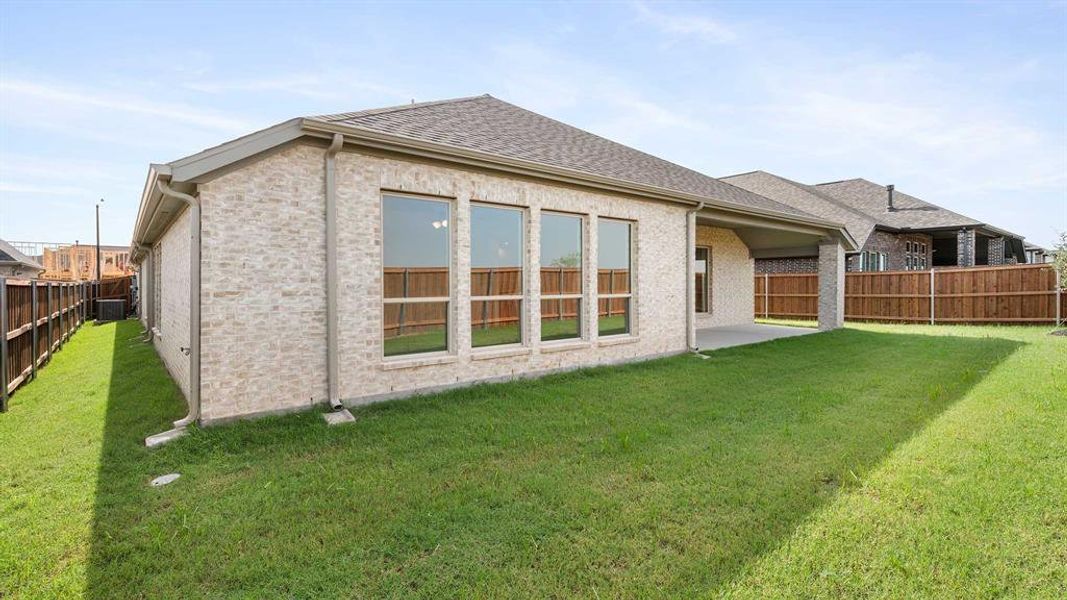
(432, 282)
(36, 319)
(1010, 294)
(114, 288)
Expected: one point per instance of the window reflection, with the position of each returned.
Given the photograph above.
(561, 276)
(496, 275)
(416, 278)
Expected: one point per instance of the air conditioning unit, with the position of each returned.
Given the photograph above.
(110, 310)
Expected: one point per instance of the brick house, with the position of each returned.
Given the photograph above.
(895, 231)
(441, 244)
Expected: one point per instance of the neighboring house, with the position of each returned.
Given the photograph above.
(16, 264)
(1037, 254)
(440, 244)
(895, 231)
(77, 262)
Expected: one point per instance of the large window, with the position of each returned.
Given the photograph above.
(496, 275)
(416, 278)
(614, 288)
(702, 272)
(561, 276)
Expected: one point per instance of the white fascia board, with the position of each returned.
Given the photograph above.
(192, 169)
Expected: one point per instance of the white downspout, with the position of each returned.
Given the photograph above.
(690, 285)
(193, 350)
(147, 290)
(332, 364)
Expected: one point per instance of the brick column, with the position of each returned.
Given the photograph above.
(996, 251)
(965, 248)
(831, 285)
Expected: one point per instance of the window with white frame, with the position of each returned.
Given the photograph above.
(883, 261)
(562, 275)
(614, 276)
(416, 274)
(497, 251)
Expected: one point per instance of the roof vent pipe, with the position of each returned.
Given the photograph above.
(889, 198)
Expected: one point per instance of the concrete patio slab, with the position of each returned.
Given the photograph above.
(713, 338)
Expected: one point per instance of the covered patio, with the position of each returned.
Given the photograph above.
(714, 338)
(724, 246)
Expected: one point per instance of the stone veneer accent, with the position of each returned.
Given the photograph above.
(995, 254)
(965, 248)
(798, 264)
(732, 282)
(171, 291)
(263, 342)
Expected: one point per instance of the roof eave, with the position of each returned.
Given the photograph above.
(451, 153)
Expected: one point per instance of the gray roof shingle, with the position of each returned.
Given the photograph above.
(910, 212)
(487, 125)
(807, 198)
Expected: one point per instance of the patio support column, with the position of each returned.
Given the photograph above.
(965, 242)
(831, 285)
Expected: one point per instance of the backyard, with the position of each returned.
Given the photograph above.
(875, 461)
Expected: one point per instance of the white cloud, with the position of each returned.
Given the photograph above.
(688, 26)
(21, 91)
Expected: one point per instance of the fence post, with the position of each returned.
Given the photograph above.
(1059, 301)
(3, 344)
(931, 296)
(62, 324)
(766, 296)
(48, 296)
(33, 319)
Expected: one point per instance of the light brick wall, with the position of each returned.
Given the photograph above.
(263, 289)
(732, 278)
(264, 326)
(172, 297)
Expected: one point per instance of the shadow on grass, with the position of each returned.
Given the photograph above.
(660, 478)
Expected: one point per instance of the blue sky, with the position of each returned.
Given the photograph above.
(962, 104)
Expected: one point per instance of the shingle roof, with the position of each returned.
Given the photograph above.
(9, 254)
(807, 198)
(491, 126)
(910, 212)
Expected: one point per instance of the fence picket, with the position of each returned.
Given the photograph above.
(1009, 294)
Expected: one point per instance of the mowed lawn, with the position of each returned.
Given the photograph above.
(874, 461)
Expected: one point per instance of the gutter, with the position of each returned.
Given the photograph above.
(332, 364)
(193, 351)
(690, 284)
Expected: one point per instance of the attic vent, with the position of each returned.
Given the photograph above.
(889, 198)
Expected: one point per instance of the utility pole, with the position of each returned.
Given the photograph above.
(98, 273)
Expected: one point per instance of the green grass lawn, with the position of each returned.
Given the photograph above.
(874, 461)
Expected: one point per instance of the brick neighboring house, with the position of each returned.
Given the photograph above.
(894, 231)
(441, 244)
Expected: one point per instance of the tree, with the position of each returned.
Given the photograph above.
(570, 260)
(1059, 254)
